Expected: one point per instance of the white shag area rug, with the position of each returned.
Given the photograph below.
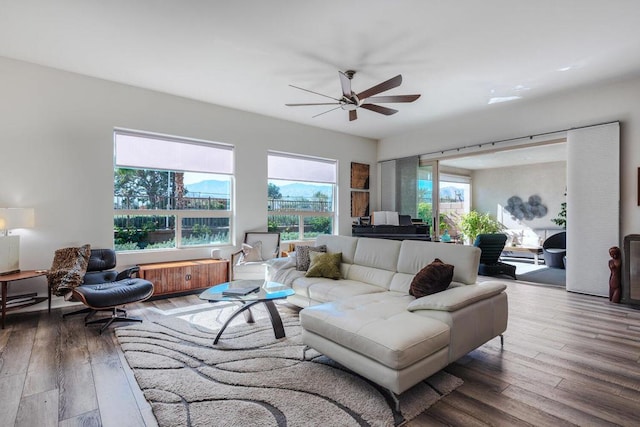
(251, 378)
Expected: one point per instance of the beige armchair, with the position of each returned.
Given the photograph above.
(249, 262)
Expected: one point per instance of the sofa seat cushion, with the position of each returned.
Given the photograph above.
(323, 290)
(379, 327)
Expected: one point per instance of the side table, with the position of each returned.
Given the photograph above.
(7, 278)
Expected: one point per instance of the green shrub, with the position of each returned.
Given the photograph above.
(474, 223)
(126, 246)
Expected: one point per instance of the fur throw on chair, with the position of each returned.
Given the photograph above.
(68, 270)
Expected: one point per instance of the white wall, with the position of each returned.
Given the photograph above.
(56, 135)
(493, 187)
(586, 106)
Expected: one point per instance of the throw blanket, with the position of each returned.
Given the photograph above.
(68, 270)
(282, 270)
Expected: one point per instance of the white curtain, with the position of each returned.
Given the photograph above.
(164, 153)
(593, 206)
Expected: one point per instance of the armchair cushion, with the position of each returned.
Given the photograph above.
(96, 277)
(251, 253)
(270, 242)
(68, 269)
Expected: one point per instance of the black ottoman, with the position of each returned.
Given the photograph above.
(111, 295)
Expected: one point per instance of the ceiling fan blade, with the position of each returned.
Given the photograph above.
(353, 115)
(328, 111)
(389, 84)
(307, 90)
(345, 82)
(379, 109)
(317, 103)
(393, 98)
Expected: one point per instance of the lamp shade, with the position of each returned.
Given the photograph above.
(11, 218)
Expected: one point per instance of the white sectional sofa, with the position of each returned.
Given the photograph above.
(368, 321)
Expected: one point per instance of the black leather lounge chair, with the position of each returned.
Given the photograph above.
(103, 289)
(492, 246)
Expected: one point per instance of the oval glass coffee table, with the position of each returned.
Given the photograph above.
(248, 293)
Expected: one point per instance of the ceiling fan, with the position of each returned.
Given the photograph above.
(351, 101)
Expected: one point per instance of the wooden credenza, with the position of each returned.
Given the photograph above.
(178, 277)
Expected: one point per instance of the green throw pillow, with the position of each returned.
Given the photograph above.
(325, 265)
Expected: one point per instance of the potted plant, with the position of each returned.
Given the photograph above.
(561, 220)
(473, 223)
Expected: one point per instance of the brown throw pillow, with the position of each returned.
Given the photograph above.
(325, 265)
(435, 277)
(302, 255)
(68, 269)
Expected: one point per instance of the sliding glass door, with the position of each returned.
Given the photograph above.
(454, 201)
(427, 186)
(418, 188)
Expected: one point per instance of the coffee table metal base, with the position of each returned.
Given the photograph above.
(276, 320)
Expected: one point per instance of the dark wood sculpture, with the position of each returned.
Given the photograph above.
(615, 265)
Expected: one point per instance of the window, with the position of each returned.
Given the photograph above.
(301, 195)
(171, 192)
(455, 201)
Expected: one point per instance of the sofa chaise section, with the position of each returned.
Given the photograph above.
(369, 322)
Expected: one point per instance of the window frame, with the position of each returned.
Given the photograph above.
(179, 214)
(302, 214)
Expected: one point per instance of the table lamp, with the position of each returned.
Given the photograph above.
(11, 219)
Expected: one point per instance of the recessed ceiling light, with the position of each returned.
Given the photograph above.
(498, 99)
(565, 68)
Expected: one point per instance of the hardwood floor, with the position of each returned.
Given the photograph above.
(568, 359)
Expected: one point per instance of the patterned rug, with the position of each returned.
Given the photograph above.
(250, 378)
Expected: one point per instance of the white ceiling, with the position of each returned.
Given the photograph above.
(244, 54)
(547, 153)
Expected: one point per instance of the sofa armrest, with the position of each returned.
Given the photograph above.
(275, 264)
(453, 299)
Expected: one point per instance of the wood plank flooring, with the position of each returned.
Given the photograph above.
(568, 359)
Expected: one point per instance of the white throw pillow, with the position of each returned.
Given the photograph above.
(251, 253)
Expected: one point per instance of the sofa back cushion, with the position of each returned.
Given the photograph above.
(344, 244)
(372, 276)
(375, 261)
(415, 255)
(377, 253)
